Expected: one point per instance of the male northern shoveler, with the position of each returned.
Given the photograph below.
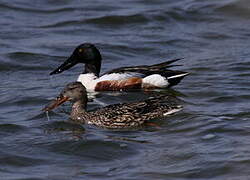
(124, 78)
(124, 115)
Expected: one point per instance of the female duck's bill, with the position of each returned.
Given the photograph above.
(124, 115)
(55, 103)
(149, 76)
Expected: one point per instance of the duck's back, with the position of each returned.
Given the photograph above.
(128, 115)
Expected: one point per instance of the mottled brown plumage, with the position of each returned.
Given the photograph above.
(125, 115)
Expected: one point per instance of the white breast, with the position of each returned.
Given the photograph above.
(88, 80)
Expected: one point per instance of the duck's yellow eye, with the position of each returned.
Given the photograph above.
(80, 50)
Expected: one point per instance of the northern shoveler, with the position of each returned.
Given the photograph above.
(124, 78)
(125, 115)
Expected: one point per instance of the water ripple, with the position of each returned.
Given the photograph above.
(36, 10)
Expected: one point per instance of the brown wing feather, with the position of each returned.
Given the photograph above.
(114, 85)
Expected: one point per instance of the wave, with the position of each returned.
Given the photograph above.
(32, 9)
(25, 61)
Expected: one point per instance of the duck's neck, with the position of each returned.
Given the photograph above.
(78, 110)
(94, 66)
(91, 68)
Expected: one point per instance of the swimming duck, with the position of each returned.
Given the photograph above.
(117, 116)
(124, 78)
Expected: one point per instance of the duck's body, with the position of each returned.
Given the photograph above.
(125, 115)
(125, 81)
(124, 78)
(109, 82)
(119, 116)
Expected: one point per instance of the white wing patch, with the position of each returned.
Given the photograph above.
(178, 75)
(117, 76)
(172, 111)
(156, 80)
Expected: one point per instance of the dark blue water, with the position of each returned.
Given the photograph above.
(209, 139)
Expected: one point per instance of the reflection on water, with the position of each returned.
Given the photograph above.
(207, 140)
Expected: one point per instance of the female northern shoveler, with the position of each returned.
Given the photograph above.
(124, 115)
(124, 78)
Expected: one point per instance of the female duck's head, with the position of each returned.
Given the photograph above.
(74, 92)
(85, 53)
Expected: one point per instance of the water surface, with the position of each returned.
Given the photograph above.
(209, 139)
